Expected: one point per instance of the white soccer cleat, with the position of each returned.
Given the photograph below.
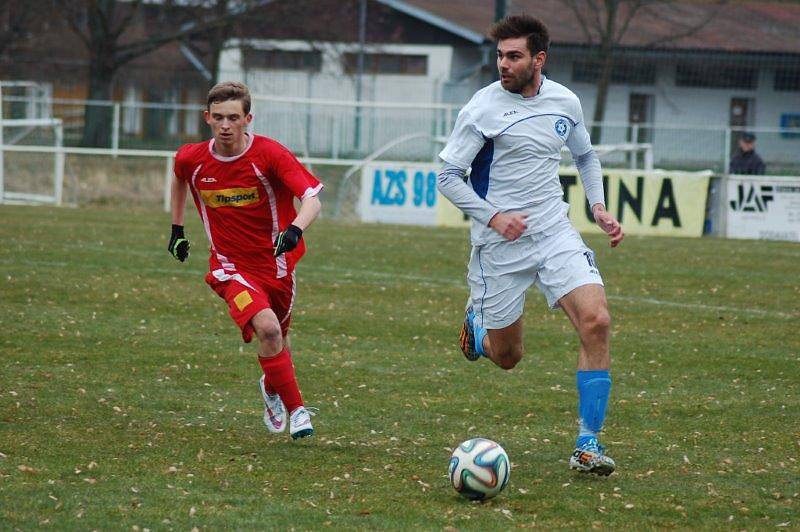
(591, 458)
(300, 423)
(274, 412)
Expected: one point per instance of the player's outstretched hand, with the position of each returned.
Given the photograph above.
(288, 240)
(610, 225)
(178, 245)
(509, 224)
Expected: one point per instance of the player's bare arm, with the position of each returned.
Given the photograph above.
(179, 190)
(287, 240)
(509, 224)
(609, 224)
(310, 208)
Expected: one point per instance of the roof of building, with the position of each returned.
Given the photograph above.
(733, 26)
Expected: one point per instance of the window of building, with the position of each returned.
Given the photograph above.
(716, 76)
(787, 79)
(171, 114)
(131, 112)
(623, 72)
(191, 118)
(410, 65)
(305, 60)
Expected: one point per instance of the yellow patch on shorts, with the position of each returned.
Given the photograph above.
(242, 299)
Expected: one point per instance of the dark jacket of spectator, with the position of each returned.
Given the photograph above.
(747, 163)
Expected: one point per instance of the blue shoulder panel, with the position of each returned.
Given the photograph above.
(479, 177)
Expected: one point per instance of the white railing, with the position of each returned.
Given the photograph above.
(345, 129)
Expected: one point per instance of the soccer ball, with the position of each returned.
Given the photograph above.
(479, 469)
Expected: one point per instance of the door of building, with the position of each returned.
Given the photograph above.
(741, 117)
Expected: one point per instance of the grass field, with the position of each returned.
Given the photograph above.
(127, 399)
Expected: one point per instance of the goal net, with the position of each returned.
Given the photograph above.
(31, 160)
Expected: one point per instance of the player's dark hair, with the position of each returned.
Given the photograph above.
(515, 26)
(229, 90)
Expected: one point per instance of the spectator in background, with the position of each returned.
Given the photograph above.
(747, 161)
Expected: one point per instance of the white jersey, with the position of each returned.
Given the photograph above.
(513, 146)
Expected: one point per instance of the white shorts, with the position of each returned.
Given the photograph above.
(556, 260)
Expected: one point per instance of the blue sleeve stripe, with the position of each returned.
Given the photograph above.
(571, 121)
(479, 177)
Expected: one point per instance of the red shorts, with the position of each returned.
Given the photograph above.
(247, 294)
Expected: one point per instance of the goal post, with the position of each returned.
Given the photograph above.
(31, 180)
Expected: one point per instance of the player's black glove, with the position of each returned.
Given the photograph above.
(288, 239)
(178, 245)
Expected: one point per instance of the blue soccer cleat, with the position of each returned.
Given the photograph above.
(467, 337)
(590, 458)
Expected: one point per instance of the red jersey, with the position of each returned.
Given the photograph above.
(245, 201)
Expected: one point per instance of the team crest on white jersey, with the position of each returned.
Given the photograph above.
(561, 128)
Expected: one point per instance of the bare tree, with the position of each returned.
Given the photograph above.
(17, 18)
(210, 43)
(111, 32)
(605, 23)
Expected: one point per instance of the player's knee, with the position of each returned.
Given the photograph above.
(269, 334)
(596, 323)
(508, 363)
(509, 358)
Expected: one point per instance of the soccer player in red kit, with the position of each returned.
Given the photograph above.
(244, 186)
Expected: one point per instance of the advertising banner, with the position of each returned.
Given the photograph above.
(657, 202)
(646, 203)
(399, 193)
(763, 207)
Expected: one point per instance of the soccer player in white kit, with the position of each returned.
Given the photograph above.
(510, 135)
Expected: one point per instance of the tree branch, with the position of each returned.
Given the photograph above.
(691, 30)
(579, 15)
(126, 19)
(625, 23)
(128, 52)
(598, 19)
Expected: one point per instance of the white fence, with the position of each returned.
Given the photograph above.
(335, 137)
(336, 129)
(765, 204)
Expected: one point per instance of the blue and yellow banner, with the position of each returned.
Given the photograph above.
(646, 203)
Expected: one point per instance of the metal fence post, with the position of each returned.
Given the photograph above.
(648, 157)
(2, 162)
(335, 126)
(633, 156)
(58, 170)
(2, 151)
(115, 129)
(726, 151)
(167, 183)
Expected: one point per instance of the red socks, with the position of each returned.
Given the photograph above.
(279, 378)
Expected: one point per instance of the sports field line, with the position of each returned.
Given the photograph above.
(357, 276)
(700, 306)
(630, 299)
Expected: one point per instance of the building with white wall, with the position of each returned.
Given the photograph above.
(689, 96)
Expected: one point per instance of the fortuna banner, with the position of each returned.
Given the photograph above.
(646, 203)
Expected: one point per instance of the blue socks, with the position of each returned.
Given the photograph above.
(593, 390)
(480, 334)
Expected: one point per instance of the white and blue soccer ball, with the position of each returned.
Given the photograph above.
(479, 469)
